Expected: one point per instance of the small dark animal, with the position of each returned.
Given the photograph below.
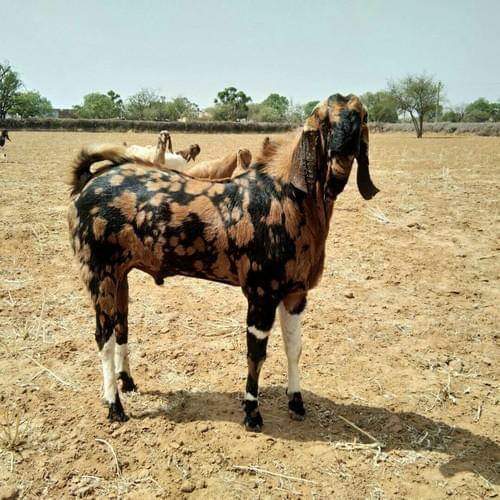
(190, 153)
(263, 231)
(4, 136)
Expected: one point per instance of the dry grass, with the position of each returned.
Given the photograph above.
(400, 345)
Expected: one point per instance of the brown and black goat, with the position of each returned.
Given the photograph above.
(190, 153)
(263, 231)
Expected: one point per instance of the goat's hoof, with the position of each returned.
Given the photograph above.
(296, 408)
(128, 384)
(253, 422)
(116, 412)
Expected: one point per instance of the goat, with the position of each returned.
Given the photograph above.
(221, 168)
(268, 149)
(264, 231)
(190, 153)
(243, 161)
(158, 154)
(4, 136)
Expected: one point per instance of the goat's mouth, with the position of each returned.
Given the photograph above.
(339, 169)
(341, 165)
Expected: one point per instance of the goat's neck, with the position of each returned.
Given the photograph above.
(160, 152)
(318, 213)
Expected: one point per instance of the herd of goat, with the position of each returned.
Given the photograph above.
(163, 156)
(260, 224)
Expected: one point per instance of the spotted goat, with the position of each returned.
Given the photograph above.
(264, 231)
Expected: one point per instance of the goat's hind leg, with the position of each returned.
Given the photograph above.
(122, 366)
(104, 301)
(260, 320)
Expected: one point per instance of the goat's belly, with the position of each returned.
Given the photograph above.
(204, 263)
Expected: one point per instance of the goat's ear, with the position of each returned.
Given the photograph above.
(365, 184)
(305, 161)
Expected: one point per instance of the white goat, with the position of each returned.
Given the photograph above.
(159, 154)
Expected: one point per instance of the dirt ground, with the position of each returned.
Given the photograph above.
(400, 366)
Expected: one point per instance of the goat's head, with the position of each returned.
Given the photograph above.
(5, 133)
(244, 158)
(194, 151)
(333, 136)
(165, 140)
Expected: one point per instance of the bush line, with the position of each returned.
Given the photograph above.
(77, 125)
(87, 125)
(484, 129)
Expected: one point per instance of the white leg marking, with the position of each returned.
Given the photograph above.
(290, 328)
(260, 334)
(108, 369)
(250, 397)
(121, 359)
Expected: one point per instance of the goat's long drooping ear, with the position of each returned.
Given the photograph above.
(305, 161)
(365, 184)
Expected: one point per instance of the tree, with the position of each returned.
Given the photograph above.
(417, 95)
(10, 83)
(97, 105)
(116, 98)
(309, 107)
(295, 113)
(278, 103)
(263, 113)
(145, 105)
(232, 104)
(30, 103)
(454, 114)
(381, 106)
(436, 115)
(495, 111)
(181, 107)
(481, 110)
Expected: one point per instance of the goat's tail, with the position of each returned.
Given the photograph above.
(81, 168)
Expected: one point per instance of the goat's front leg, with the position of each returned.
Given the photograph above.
(260, 320)
(290, 311)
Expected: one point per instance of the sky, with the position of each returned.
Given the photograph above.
(305, 50)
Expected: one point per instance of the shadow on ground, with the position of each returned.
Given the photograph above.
(396, 430)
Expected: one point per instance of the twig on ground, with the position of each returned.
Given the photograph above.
(258, 470)
(377, 214)
(367, 434)
(486, 482)
(50, 372)
(10, 431)
(39, 324)
(479, 411)
(118, 470)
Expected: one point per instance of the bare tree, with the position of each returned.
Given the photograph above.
(10, 83)
(417, 95)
